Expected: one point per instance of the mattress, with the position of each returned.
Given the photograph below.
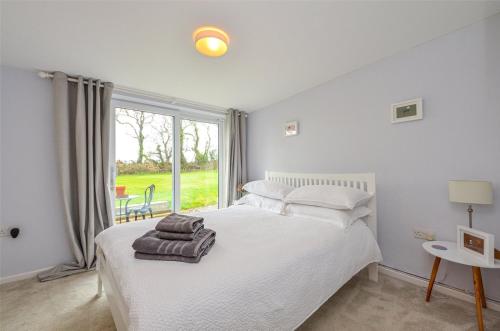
(265, 271)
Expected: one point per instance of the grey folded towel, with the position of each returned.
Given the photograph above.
(181, 236)
(143, 256)
(151, 243)
(179, 223)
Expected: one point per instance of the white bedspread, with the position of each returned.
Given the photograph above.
(265, 271)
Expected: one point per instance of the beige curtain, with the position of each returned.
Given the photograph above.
(82, 115)
(237, 154)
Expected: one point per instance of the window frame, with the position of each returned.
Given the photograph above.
(178, 114)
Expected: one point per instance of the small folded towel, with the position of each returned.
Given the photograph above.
(151, 243)
(209, 243)
(181, 236)
(179, 223)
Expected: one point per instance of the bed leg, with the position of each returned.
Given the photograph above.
(373, 272)
(99, 285)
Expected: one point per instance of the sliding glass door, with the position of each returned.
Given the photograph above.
(199, 165)
(165, 161)
(144, 156)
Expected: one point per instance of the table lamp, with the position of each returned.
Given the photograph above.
(470, 192)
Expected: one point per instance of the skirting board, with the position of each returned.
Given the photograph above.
(24, 275)
(441, 288)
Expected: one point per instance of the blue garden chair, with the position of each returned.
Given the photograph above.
(146, 207)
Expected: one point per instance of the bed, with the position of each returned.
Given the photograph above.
(266, 271)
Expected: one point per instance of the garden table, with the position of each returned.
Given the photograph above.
(125, 198)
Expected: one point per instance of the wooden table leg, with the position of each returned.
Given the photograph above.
(476, 273)
(483, 298)
(435, 268)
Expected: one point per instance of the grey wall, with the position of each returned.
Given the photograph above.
(345, 127)
(30, 197)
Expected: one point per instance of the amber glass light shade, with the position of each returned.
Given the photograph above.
(211, 41)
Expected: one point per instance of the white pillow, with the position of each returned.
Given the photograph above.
(328, 196)
(341, 218)
(266, 188)
(274, 205)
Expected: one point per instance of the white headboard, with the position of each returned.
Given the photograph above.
(365, 182)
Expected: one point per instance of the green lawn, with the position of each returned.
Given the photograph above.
(198, 188)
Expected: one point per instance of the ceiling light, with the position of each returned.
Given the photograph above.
(211, 41)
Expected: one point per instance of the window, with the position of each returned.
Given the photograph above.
(165, 161)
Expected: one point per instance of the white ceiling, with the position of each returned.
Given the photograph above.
(277, 49)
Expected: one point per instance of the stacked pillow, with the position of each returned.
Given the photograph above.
(251, 199)
(341, 218)
(268, 189)
(266, 195)
(335, 204)
(329, 196)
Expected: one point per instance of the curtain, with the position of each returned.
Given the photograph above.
(237, 154)
(83, 123)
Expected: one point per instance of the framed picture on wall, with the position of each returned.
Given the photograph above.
(410, 110)
(291, 128)
(477, 243)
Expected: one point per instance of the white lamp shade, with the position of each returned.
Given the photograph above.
(470, 191)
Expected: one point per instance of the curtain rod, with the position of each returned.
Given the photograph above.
(49, 75)
(128, 90)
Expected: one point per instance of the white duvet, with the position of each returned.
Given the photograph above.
(266, 271)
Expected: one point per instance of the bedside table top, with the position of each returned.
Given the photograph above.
(454, 255)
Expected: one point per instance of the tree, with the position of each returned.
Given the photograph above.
(202, 155)
(200, 158)
(208, 144)
(136, 120)
(183, 134)
(214, 156)
(163, 127)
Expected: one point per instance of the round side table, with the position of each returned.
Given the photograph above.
(448, 251)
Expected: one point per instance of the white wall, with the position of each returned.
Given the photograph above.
(345, 127)
(30, 196)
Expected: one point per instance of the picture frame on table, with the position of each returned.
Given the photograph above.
(476, 243)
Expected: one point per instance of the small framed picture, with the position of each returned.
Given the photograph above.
(477, 243)
(410, 110)
(291, 128)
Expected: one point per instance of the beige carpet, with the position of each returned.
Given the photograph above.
(70, 304)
